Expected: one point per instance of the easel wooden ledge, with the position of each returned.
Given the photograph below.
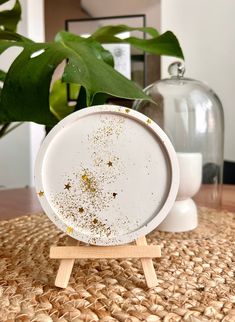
(68, 254)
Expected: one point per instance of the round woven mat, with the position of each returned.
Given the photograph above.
(195, 273)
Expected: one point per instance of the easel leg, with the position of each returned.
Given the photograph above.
(67, 256)
(148, 268)
(65, 268)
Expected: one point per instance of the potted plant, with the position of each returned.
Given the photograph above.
(27, 93)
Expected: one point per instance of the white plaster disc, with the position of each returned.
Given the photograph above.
(106, 175)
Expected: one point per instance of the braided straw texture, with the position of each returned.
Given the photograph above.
(195, 273)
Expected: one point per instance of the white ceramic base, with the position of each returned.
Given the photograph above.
(182, 217)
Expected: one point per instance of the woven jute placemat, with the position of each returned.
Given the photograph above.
(195, 273)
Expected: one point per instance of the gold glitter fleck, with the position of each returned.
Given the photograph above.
(89, 182)
(41, 193)
(149, 121)
(67, 186)
(114, 195)
(110, 164)
(127, 110)
(85, 177)
(81, 210)
(69, 230)
(95, 221)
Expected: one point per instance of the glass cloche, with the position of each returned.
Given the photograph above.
(191, 114)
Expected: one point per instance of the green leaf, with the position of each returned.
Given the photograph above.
(13, 36)
(103, 33)
(94, 74)
(10, 18)
(3, 1)
(10, 39)
(99, 99)
(165, 44)
(2, 75)
(3, 129)
(74, 90)
(25, 94)
(94, 47)
(58, 99)
(26, 91)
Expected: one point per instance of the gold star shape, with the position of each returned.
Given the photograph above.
(114, 195)
(81, 210)
(84, 177)
(95, 221)
(127, 110)
(69, 230)
(110, 164)
(149, 121)
(67, 186)
(41, 193)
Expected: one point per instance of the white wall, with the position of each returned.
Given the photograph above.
(34, 11)
(15, 158)
(102, 8)
(19, 148)
(206, 30)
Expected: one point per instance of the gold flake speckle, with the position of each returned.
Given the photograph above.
(149, 121)
(81, 210)
(89, 182)
(41, 193)
(110, 164)
(127, 110)
(69, 230)
(67, 186)
(85, 177)
(114, 195)
(95, 221)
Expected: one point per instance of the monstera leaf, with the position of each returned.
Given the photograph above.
(2, 75)
(8, 22)
(58, 99)
(26, 92)
(109, 32)
(10, 18)
(165, 44)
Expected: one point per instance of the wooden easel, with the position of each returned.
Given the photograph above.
(68, 254)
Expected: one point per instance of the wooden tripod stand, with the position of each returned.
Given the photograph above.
(68, 254)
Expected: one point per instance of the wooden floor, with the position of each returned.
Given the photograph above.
(18, 202)
(229, 197)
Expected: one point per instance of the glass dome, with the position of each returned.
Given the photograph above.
(191, 114)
